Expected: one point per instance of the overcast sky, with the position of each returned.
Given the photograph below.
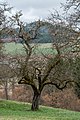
(34, 9)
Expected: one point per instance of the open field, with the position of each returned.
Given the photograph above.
(11, 110)
(17, 48)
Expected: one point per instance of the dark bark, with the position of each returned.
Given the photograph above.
(35, 101)
(13, 88)
(6, 89)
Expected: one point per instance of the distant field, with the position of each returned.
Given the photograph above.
(17, 48)
(11, 110)
(13, 48)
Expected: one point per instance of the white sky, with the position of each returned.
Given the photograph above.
(34, 9)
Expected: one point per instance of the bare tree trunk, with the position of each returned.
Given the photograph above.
(6, 89)
(35, 102)
(13, 87)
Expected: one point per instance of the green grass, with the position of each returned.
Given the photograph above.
(11, 110)
(17, 48)
(13, 48)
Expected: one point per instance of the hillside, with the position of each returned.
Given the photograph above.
(11, 110)
(42, 37)
(43, 34)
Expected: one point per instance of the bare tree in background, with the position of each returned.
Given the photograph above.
(8, 75)
(7, 63)
(72, 7)
(5, 24)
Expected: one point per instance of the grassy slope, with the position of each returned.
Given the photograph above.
(10, 110)
(17, 48)
(13, 48)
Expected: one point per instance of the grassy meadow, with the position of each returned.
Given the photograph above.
(11, 110)
(17, 48)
